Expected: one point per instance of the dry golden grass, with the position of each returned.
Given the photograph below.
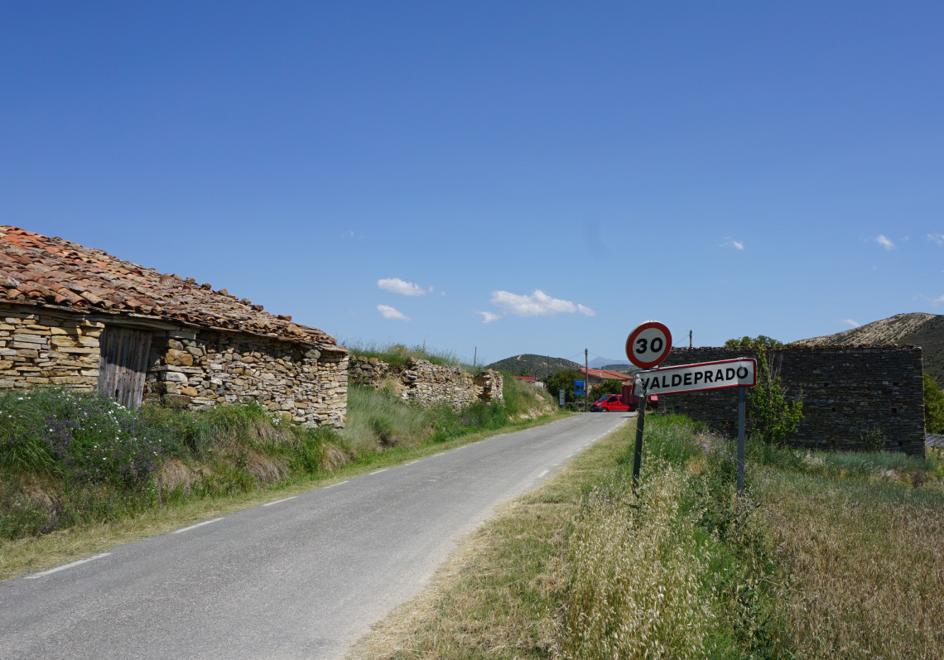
(866, 562)
(498, 596)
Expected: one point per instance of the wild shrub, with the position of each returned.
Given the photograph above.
(933, 405)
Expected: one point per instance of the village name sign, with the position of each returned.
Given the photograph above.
(648, 346)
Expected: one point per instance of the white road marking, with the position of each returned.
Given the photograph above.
(340, 483)
(205, 522)
(380, 470)
(284, 499)
(65, 566)
(412, 462)
(542, 474)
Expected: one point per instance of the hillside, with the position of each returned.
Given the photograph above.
(528, 364)
(914, 329)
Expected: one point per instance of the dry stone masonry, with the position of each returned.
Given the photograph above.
(198, 369)
(427, 383)
(854, 398)
(41, 348)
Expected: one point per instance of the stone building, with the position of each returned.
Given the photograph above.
(80, 318)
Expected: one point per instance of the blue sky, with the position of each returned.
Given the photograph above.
(725, 167)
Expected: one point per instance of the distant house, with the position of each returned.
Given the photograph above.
(77, 317)
(530, 379)
(600, 375)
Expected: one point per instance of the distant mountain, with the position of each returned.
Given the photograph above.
(607, 363)
(528, 364)
(915, 329)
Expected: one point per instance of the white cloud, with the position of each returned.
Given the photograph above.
(937, 239)
(851, 323)
(885, 242)
(732, 243)
(402, 287)
(537, 303)
(389, 312)
(937, 302)
(489, 317)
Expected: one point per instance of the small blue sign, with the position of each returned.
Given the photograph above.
(579, 386)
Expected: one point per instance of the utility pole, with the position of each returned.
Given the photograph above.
(475, 357)
(689, 338)
(586, 385)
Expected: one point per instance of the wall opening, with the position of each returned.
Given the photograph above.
(123, 367)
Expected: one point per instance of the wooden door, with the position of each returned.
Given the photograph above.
(124, 363)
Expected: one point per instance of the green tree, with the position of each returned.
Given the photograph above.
(772, 415)
(609, 386)
(563, 380)
(933, 406)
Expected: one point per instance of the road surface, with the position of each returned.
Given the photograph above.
(302, 577)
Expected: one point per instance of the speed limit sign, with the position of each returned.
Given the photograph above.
(649, 344)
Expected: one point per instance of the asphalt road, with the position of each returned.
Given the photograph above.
(299, 578)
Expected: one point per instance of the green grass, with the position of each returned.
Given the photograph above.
(396, 355)
(74, 466)
(827, 555)
(584, 568)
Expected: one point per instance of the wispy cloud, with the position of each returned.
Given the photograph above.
(851, 323)
(937, 302)
(885, 242)
(937, 239)
(489, 317)
(537, 303)
(393, 313)
(402, 287)
(734, 244)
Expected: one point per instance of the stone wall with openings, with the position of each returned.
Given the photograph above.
(853, 398)
(42, 348)
(427, 383)
(198, 369)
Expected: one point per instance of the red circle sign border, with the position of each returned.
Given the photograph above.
(632, 337)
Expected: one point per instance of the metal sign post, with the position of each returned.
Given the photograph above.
(742, 415)
(640, 427)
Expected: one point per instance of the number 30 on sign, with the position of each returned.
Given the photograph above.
(649, 344)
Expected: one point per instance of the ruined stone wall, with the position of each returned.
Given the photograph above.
(853, 398)
(427, 383)
(40, 348)
(198, 369)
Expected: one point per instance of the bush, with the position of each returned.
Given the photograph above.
(772, 416)
(933, 406)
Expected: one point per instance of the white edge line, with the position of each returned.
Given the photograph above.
(412, 462)
(200, 524)
(543, 474)
(284, 499)
(65, 566)
(380, 470)
(340, 483)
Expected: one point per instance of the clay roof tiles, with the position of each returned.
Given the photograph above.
(50, 271)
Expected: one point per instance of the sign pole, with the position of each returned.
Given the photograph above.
(742, 405)
(640, 426)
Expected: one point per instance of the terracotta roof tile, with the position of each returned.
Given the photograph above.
(45, 271)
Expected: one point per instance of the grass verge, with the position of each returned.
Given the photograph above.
(583, 568)
(79, 474)
(827, 555)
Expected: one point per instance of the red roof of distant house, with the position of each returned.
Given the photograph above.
(527, 379)
(606, 374)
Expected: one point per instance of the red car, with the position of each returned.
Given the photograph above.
(610, 403)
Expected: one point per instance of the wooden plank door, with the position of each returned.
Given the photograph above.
(124, 363)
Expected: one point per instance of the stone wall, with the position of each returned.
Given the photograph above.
(39, 348)
(427, 383)
(198, 369)
(853, 398)
(188, 368)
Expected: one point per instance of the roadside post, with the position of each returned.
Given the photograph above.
(706, 376)
(742, 414)
(646, 347)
